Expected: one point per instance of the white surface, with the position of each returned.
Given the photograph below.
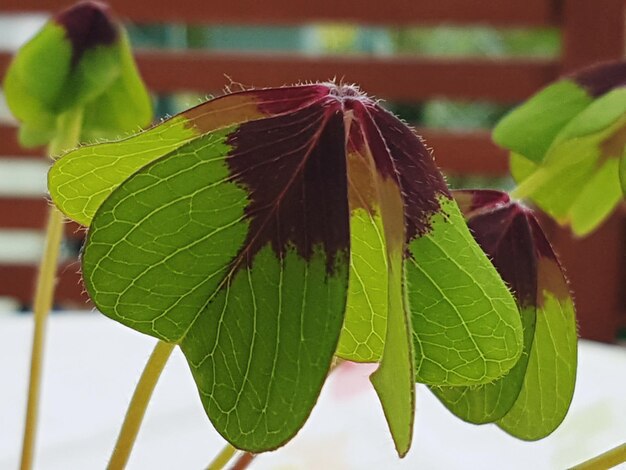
(93, 363)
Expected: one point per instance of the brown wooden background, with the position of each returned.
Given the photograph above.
(591, 30)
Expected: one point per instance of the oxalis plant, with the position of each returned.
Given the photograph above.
(266, 232)
(270, 233)
(74, 81)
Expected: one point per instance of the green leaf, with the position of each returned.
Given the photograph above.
(363, 335)
(250, 279)
(80, 59)
(578, 181)
(466, 326)
(83, 179)
(228, 230)
(374, 193)
(622, 172)
(548, 386)
(562, 144)
(533, 398)
(530, 129)
(502, 231)
(489, 402)
(549, 382)
(394, 379)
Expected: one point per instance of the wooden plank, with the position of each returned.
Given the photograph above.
(31, 213)
(394, 78)
(592, 32)
(9, 146)
(398, 12)
(466, 153)
(18, 282)
(595, 268)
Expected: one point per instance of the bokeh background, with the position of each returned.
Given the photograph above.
(451, 68)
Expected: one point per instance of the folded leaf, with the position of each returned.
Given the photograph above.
(363, 334)
(80, 59)
(511, 237)
(394, 379)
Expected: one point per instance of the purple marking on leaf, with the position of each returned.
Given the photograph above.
(294, 168)
(542, 245)
(275, 101)
(505, 236)
(475, 201)
(411, 164)
(87, 24)
(602, 78)
(551, 274)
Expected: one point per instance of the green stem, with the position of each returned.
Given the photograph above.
(609, 459)
(139, 404)
(68, 134)
(221, 459)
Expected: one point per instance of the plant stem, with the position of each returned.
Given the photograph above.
(68, 134)
(243, 462)
(606, 460)
(139, 404)
(221, 459)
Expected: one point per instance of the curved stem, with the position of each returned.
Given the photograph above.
(68, 134)
(604, 461)
(139, 404)
(221, 459)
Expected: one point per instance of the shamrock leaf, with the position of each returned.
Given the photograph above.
(567, 142)
(533, 398)
(266, 230)
(80, 59)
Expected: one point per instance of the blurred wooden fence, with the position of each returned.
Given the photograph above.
(591, 31)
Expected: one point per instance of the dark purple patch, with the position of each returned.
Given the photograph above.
(294, 168)
(602, 78)
(505, 235)
(275, 101)
(542, 245)
(87, 25)
(401, 155)
(475, 201)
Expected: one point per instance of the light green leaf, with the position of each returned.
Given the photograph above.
(363, 334)
(521, 167)
(551, 373)
(466, 326)
(578, 181)
(79, 60)
(489, 402)
(622, 172)
(82, 180)
(530, 129)
(394, 380)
